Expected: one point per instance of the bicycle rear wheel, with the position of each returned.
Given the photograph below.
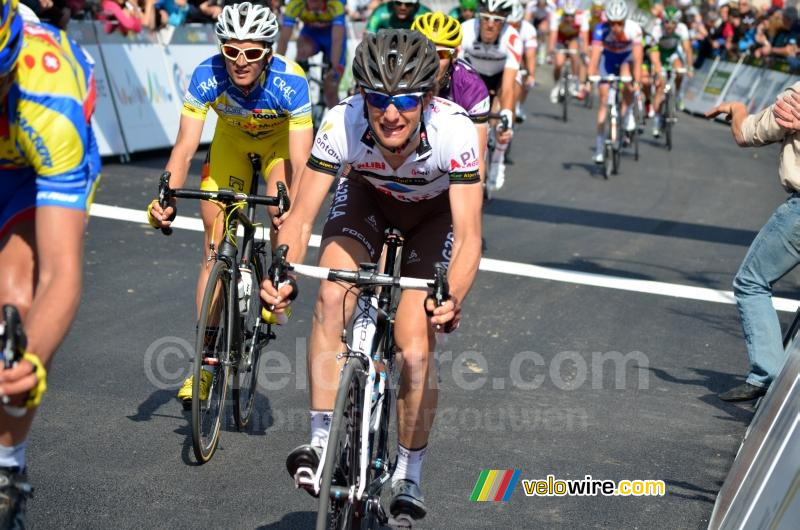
(341, 466)
(212, 354)
(256, 338)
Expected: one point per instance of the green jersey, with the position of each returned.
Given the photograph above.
(383, 18)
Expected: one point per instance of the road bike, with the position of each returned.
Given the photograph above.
(613, 127)
(668, 108)
(231, 332)
(566, 80)
(493, 155)
(355, 463)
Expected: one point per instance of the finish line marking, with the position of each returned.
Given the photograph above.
(673, 290)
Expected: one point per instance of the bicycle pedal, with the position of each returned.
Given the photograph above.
(304, 479)
(401, 521)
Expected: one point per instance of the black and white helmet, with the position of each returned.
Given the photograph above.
(497, 6)
(246, 21)
(616, 10)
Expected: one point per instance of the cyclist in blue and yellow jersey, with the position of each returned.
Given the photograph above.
(395, 14)
(262, 103)
(465, 10)
(323, 30)
(49, 165)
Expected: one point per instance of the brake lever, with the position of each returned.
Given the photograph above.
(164, 195)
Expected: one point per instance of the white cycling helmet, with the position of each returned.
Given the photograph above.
(517, 12)
(246, 21)
(598, 2)
(616, 10)
(570, 8)
(497, 6)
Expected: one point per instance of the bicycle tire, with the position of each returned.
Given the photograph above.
(565, 90)
(636, 144)
(341, 460)
(608, 153)
(615, 157)
(668, 120)
(207, 415)
(246, 380)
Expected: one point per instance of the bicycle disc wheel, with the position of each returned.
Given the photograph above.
(246, 372)
(212, 354)
(341, 466)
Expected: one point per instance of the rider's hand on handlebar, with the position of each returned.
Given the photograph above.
(280, 298)
(447, 315)
(20, 380)
(159, 217)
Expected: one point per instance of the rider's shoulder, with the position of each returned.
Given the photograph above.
(445, 113)
(286, 67)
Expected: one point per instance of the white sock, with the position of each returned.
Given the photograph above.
(320, 427)
(598, 147)
(409, 464)
(13, 456)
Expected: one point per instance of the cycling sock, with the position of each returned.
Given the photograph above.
(320, 427)
(13, 456)
(409, 464)
(598, 148)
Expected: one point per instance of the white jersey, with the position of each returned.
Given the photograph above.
(681, 31)
(540, 10)
(527, 33)
(490, 59)
(447, 153)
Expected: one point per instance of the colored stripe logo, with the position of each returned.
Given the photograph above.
(495, 485)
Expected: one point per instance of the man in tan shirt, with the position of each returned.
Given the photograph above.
(776, 249)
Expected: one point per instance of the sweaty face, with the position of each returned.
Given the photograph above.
(392, 126)
(239, 55)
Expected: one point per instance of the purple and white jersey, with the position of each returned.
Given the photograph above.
(467, 89)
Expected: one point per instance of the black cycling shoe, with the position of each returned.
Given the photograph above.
(407, 500)
(14, 491)
(743, 392)
(302, 464)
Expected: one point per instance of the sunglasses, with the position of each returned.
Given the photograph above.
(400, 3)
(493, 18)
(403, 102)
(445, 53)
(251, 55)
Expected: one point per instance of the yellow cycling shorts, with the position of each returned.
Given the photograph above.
(228, 166)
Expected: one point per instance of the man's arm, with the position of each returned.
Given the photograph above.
(750, 131)
(787, 111)
(637, 62)
(337, 36)
(283, 41)
(594, 60)
(299, 146)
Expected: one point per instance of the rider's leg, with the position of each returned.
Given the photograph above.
(602, 109)
(558, 63)
(306, 47)
(576, 65)
(627, 98)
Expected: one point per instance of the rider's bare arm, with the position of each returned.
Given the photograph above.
(283, 41)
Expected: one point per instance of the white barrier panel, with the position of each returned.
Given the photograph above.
(772, 83)
(715, 85)
(744, 84)
(694, 88)
(762, 489)
(190, 45)
(142, 89)
(104, 121)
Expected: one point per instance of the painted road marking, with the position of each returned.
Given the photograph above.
(674, 290)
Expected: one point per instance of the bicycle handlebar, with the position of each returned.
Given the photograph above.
(226, 196)
(610, 78)
(365, 278)
(504, 124)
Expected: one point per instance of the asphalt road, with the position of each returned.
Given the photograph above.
(111, 447)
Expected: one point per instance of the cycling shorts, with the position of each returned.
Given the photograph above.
(22, 191)
(228, 166)
(361, 212)
(323, 41)
(610, 63)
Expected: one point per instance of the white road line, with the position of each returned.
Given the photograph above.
(675, 290)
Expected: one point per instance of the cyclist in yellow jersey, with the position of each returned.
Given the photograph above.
(49, 164)
(323, 31)
(262, 103)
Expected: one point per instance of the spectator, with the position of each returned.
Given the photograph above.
(123, 15)
(204, 10)
(776, 37)
(773, 253)
(171, 12)
(53, 12)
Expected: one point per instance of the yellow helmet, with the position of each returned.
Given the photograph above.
(441, 29)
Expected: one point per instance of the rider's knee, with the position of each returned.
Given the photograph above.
(328, 308)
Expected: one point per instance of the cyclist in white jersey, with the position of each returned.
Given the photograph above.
(537, 12)
(526, 76)
(494, 49)
(414, 166)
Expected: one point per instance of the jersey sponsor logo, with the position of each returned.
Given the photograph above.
(339, 202)
(209, 85)
(420, 171)
(467, 159)
(287, 91)
(413, 257)
(327, 126)
(323, 145)
(371, 165)
(372, 222)
(360, 237)
(482, 107)
(318, 164)
(51, 63)
(37, 141)
(465, 177)
(236, 183)
(230, 110)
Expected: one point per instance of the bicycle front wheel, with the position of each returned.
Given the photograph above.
(565, 92)
(341, 466)
(669, 105)
(255, 339)
(212, 355)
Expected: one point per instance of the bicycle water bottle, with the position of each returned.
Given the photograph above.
(245, 288)
(380, 381)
